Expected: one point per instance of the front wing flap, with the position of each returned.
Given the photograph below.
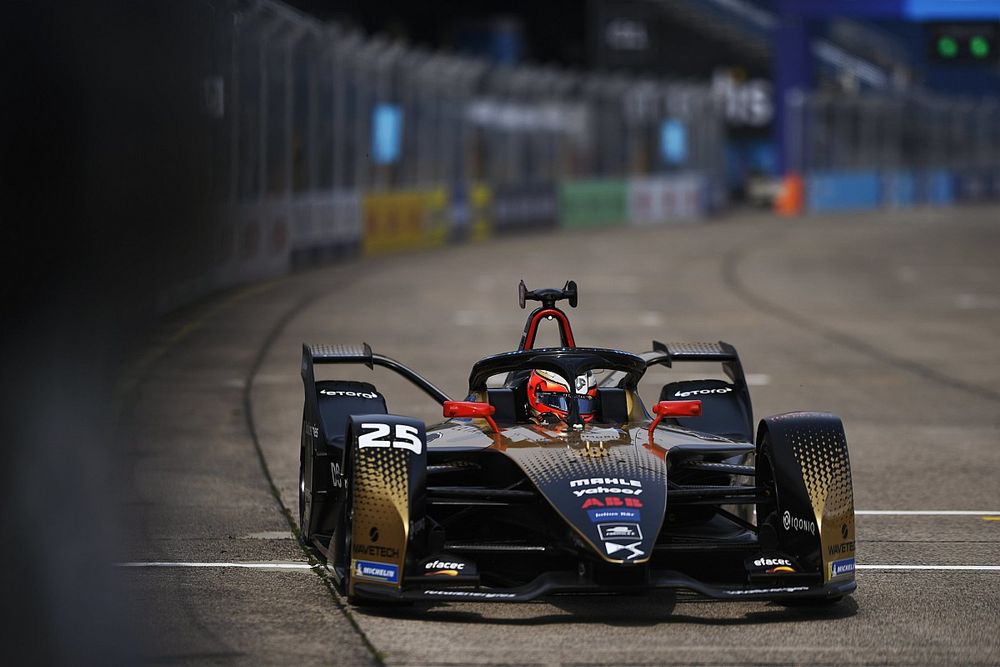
(572, 583)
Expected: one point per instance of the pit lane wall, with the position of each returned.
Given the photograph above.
(274, 236)
(846, 191)
(271, 237)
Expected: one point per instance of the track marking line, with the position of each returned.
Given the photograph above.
(983, 513)
(981, 568)
(284, 565)
(249, 566)
(270, 535)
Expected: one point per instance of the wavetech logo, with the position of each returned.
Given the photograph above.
(375, 550)
(795, 523)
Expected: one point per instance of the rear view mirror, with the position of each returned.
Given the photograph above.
(472, 409)
(674, 409)
(678, 409)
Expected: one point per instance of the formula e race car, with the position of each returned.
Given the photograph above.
(552, 477)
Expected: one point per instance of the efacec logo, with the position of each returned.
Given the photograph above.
(795, 523)
(446, 568)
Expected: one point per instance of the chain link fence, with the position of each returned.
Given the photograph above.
(304, 100)
(828, 131)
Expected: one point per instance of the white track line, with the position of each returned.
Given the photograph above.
(983, 568)
(250, 566)
(307, 566)
(926, 513)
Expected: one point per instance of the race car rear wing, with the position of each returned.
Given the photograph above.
(666, 354)
(362, 354)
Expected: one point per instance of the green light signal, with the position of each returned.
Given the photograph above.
(947, 47)
(979, 47)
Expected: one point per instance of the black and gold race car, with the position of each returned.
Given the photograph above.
(552, 477)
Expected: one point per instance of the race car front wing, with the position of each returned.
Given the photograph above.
(573, 583)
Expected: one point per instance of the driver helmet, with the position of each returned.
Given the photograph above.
(549, 396)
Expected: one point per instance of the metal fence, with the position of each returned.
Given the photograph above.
(301, 97)
(829, 131)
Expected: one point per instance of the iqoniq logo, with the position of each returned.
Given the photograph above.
(790, 522)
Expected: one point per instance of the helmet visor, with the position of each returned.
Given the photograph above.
(560, 401)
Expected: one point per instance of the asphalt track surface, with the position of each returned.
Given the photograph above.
(890, 320)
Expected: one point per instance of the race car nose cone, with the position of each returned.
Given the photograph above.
(615, 501)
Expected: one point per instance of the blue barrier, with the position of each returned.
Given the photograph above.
(939, 187)
(843, 191)
(976, 185)
(899, 188)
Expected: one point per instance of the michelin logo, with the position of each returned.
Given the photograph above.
(379, 571)
(839, 568)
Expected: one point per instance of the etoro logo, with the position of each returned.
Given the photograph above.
(790, 523)
(352, 394)
(702, 392)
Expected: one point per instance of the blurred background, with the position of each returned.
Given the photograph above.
(158, 152)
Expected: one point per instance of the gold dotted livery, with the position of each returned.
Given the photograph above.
(551, 476)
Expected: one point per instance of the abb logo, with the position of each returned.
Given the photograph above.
(611, 501)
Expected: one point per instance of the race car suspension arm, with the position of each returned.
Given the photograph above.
(713, 495)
